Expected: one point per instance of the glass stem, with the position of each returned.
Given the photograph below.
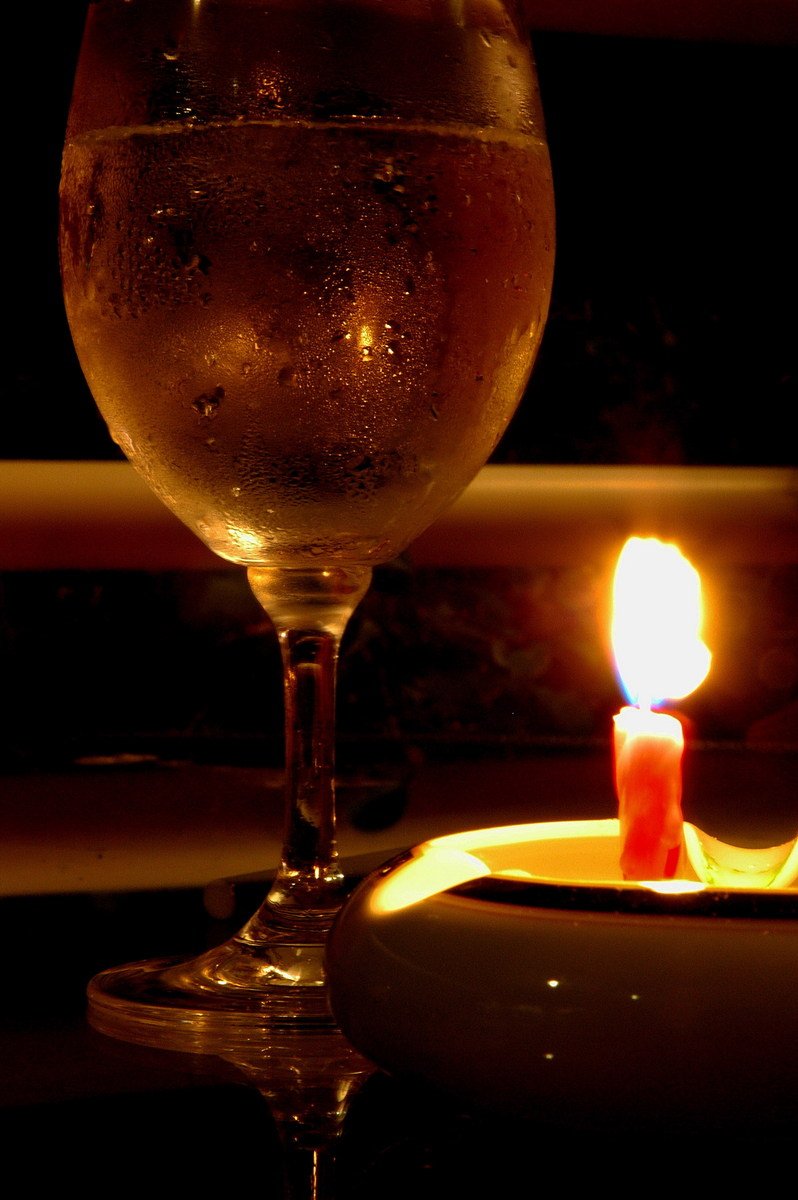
(309, 610)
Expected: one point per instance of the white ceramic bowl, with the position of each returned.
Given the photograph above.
(510, 968)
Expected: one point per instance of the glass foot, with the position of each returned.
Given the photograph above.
(233, 997)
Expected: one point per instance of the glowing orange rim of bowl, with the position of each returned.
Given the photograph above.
(573, 865)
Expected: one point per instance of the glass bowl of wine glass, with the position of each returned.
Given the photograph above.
(307, 252)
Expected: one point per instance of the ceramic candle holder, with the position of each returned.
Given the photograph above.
(511, 968)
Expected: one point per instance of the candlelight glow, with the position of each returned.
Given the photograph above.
(435, 869)
(571, 853)
(546, 851)
(673, 887)
(718, 864)
(656, 623)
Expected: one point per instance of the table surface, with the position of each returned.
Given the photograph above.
(79, 1107)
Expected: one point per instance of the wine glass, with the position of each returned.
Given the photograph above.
(306, 250)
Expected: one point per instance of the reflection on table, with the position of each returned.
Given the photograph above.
(100, 1105)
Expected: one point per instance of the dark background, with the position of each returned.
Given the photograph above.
(671, 339)
(672, 331)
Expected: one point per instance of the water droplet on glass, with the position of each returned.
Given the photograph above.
(163, 214)
(207, 404)
(287, 376)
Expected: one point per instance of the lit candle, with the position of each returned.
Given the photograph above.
(659, 655)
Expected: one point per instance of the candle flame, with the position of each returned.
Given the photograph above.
(656, 623)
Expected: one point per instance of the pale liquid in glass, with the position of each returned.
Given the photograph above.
(308, 336)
